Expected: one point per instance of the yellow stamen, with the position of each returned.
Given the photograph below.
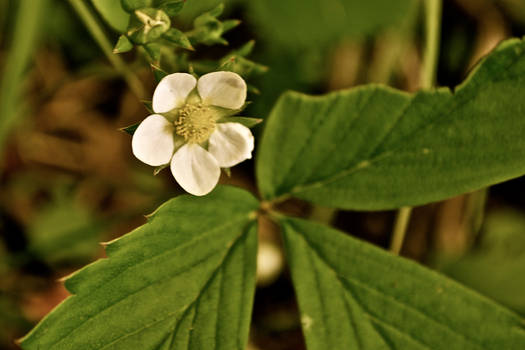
(195, 123)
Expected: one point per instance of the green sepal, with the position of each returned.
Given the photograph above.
(236, 62)
(154, 52)
(230, 24)
(147, 25)
(148, 105)
(246, 49)
(130, 129)
(158, 72)
(208, 30)
(178, 38)
(171, 7)
(158, 169)
(253, 90)
(123, 45)
(242, 66)
(246, 121)
(217, 11)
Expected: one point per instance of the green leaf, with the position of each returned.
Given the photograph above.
(178, 38)
(113, 14)
(353, 295)
(246, 121)
(184, 280)
(318, 23)
(123, 45)
(373, 147)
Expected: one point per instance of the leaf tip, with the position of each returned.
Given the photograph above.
(150, 215)
(18, 341)
(63, 279)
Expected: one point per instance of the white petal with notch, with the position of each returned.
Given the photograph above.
(152, 142)
(230, 144)
(195, 169)
(222, 89)
(172, 91)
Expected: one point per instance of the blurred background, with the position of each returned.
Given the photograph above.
(68, 179)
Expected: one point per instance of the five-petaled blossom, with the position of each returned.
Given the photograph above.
(188, 130)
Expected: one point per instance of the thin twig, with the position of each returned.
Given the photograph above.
(98, 34)
(428, 79)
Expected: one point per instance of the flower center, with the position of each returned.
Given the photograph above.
(195, 123)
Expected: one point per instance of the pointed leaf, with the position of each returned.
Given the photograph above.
(373, 147)
(353, 295)
(184, 280)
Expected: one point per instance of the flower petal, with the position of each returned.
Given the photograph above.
(222, 89)
(152, 142)
(172, 91)
(230, 144)
(195, 169)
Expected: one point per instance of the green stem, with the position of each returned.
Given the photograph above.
(18, 58)
(94, 28)
(400, 229)
(431, 53)
(428, 78)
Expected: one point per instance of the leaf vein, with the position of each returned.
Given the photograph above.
(407, 306)
(231, 223)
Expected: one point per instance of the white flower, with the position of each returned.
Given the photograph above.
(187, 133)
